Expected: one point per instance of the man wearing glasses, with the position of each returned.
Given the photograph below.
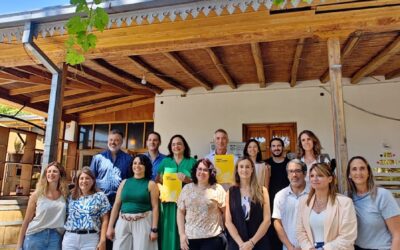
(286, 202)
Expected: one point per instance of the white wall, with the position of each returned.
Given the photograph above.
(198, 114)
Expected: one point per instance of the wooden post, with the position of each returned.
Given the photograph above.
(339, 126)
(27, 163)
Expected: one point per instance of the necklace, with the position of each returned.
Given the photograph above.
(319, 205)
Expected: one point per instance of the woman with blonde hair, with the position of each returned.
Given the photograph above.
(43, 224)
(87, 214)
(326, 220)
(378, 214)
(248, 213)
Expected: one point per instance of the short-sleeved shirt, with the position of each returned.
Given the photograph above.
(169, 165)
(109, 174)
(157, 161)
(203, 217)
(371, 215)
(85, 212)
(285, 209)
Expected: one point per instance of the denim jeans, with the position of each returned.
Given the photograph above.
(48, 239)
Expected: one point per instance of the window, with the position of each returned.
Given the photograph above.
(135, 135)
(100, 135)
(85, 136)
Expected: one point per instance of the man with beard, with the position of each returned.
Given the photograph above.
(111, 166)
(278, 181)
(286, 203)
(153, 143)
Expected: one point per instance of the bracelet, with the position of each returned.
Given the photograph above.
(252, 242)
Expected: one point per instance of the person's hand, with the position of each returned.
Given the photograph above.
(101, 245)
(248, 245)
(153, 236)
(183, 239)
(181, 177)
(110, 233)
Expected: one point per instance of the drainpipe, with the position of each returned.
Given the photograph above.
(56, 96)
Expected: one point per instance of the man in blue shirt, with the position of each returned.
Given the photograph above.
(111, 166)
(153, 143)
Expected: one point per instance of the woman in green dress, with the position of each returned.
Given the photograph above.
(178, 161)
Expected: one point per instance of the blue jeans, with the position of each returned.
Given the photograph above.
(48, 239)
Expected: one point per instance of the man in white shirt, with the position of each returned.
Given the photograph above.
(286, 202)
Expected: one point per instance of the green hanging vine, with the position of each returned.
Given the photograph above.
(80, 26)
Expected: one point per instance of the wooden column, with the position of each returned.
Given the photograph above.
(339, 126)
(4, 133)
(27, 162)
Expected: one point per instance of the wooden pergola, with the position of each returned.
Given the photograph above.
(204, 44)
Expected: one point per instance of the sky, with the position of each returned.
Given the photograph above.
(12, 6)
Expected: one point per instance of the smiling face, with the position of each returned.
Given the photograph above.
(359, 172)
(114, 142)
(202, 174)
(52, 174)
(138, 168)
(296, 175)
(245, 169)
(221, 141)
(276, 148)
(153, 142)
(85, 183)
(306, 142)
(177, 146)
(319, 181)
(252, 149)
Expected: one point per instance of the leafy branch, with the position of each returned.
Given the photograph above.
(80, 26)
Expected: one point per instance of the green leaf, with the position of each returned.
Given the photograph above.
(100, 19)
(70, 42)
(86, 41)
(75, 25)
(74, 58)
(98, 1)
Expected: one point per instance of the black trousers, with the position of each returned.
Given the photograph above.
(213, 243)
(359, 248)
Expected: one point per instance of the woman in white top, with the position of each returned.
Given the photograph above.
(326, 220)
(378, 214)
(201, 205)
(43, 224)
(252, 150)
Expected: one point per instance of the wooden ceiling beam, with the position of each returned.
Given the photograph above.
(220, 67)
(21, 91)
(296, 62)
(102, 104)
(133, 104)
(390, 50)
(42, 98)
(139, 63)
(173, 56)
(348, 48)
(122, 73)
(20, 76)
(257, 56)
(393, 74)
(87, 98)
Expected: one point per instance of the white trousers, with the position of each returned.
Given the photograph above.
(134, 234)
(73, 241)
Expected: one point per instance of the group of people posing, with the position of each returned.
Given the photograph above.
(273, 204)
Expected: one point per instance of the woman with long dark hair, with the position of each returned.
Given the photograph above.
(248, 213)
(43, 224)
(252, 150)
(87, 214)
(180, 163)
(378, 214)
(326, 219)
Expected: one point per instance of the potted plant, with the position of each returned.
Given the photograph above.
(17, 156)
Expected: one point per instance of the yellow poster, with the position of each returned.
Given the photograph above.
(225, 168)
(171, 187)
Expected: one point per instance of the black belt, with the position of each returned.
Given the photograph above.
(82, 231)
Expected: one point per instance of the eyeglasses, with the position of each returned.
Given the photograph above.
(295, 171)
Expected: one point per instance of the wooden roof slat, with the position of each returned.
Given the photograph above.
(258, 60)
(296, 62)
(43, 98)
(220, 67)
(16, 75)
(377, 61)
(355, 5)
(393, 74)
(139, 63)
(102, 104)
(133, 104)
(187, 69)
(350, 45)
(88, 98)
(111, 81)
(26, 90)
(122, 73)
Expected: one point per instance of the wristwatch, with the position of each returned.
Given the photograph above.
(154, 230)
